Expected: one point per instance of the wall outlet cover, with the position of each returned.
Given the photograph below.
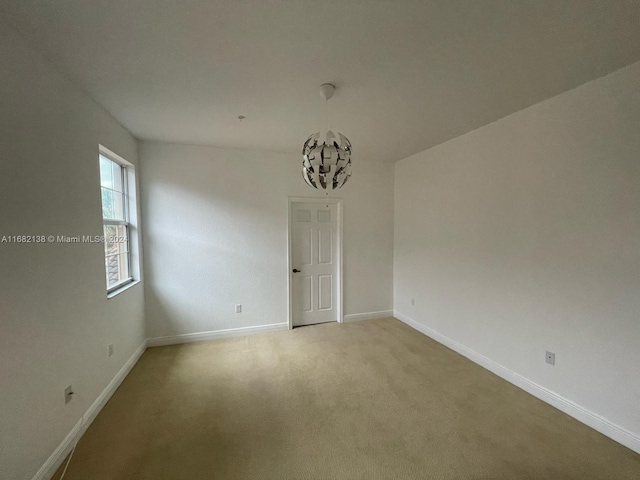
(550, 358)
(68, 394)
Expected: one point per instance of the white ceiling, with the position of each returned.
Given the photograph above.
(410, 74)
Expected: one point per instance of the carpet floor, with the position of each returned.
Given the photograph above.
(366, 400)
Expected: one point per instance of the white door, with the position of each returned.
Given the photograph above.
(314, 263)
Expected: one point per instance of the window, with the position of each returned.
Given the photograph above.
(115, 186)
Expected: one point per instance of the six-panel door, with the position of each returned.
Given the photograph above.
(313, 252)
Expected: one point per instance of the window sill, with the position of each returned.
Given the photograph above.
(126, 286)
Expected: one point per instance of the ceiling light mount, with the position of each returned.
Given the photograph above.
(327, 90)
(326, 156)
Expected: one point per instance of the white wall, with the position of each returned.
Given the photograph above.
(216, 235)
(524, 235)
(55, 319)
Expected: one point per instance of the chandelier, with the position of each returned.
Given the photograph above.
(326, 156)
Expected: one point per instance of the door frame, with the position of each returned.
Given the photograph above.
(338, 203)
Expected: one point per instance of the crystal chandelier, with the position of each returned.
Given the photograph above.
(326, 156)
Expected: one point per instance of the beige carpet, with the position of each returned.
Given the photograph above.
(367, 400)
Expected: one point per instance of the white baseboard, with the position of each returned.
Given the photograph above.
(52, 464)
(355, 317)
(57, 457)
(215, 334)
(593, 420)
(106, 394)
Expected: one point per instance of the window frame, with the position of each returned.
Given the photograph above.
(128, 182)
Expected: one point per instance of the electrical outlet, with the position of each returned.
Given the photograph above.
(111, 349)
(413, 301)
(550, 358)
(68, 394)
(238, 308)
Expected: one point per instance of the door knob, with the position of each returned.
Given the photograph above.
(295, 270)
